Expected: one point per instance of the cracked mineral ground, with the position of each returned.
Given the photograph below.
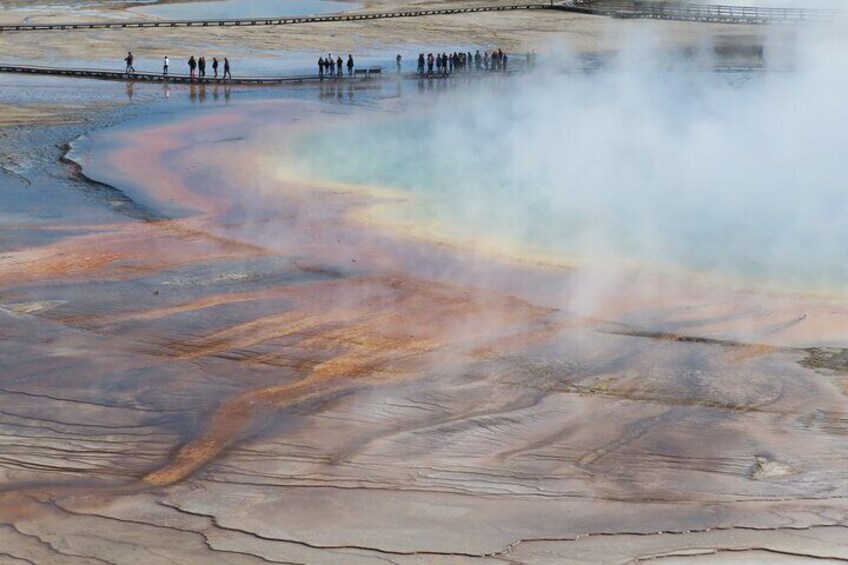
(419, 322)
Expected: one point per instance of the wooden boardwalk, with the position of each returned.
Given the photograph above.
(710, 13)
(613, 8)
(101, 74)
(354, 17)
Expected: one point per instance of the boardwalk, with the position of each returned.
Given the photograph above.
(614, 8)
(701, 12)
(19, 27)
(101, 74)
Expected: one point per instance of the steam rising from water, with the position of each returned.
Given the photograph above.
(741, 175)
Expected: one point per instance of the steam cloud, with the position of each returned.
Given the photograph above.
(651, 159)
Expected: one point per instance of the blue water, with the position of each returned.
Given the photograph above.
(231, 9)
(697, 178)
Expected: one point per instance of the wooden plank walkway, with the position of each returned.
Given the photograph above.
(614, 8)
(711, 13)
(355, 17)
(101, 74)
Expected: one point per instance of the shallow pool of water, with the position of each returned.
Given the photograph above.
(231, 9)
(681, 172)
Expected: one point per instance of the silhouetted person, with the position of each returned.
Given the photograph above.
(430, 61)
(201, 67)
(192, 64)
(227, 73)
(421, 63)
(129, 61)
(320, 68)
(398, 59)
(350, 65)
(165, 64)
(339, 67)
(332, 64)
(215, 66)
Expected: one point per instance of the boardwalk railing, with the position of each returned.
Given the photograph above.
(103, 74)
(703, 12)
(365, 73)
(616, 8)
(361, 74)
(47, 26)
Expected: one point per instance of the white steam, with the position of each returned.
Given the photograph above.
(735, 174)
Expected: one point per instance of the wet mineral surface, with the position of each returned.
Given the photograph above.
(202, 362)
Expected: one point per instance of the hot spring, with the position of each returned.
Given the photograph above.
(739, 176)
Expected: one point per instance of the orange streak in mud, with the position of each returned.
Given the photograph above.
(233, 418)
(120, 252)
(229, 422)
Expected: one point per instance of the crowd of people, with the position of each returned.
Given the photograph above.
(196, 67)
(429, 65)
(334, 67)
(331, 67)
(445, 64)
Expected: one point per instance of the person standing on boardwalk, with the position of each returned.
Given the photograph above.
(192, 64)
(227, 73)
(165, 64)
(398, 59)
(320, 68)
(129, 61)
(349, 65)
(332, 65)
(215, 66)
(201, 67)
(339, 67)
(421, 63)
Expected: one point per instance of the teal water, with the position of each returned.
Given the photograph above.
(688, 184)
(223, 9)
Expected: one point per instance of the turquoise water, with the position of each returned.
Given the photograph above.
(688, 182)
(223, 9)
